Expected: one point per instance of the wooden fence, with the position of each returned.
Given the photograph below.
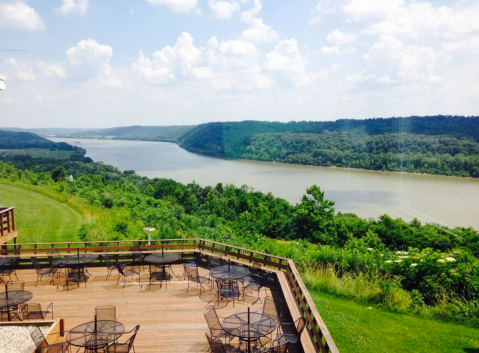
(8, 230)
(316, 328)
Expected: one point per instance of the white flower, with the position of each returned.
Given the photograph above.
(388, 262)
(403, 257)
(401, 252)
(398, 261)
(450, 259)
(370, 249)
(413, 265)
(381, 255)
(441, 261)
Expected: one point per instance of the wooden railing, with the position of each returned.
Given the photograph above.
(319, 334)
(7, 224)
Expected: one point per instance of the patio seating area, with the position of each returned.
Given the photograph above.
(161, 294)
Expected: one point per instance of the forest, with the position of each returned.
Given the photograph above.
(446, 145)
(421, 269)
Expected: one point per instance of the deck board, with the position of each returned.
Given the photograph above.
(171, 319)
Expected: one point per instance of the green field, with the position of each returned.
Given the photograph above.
(36, 153)
(39, 218)
(359, 328)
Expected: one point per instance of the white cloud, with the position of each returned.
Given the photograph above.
(175, 5)
(52, 70)
(259, 32)
(25, 75)
(91, 60)
(336, 50)
(19, 15)
(385, 79)
(237, 47)
(69, 6)
(248, 15)
(223, 9)
(411, 61)
(359, 77)
(339, 38)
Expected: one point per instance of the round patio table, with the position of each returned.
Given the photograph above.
(75, 261)
(95, 334)
(249, 326)
(229, 272)
(162, 259)
(14, 298)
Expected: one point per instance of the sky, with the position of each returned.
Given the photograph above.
(92, 63)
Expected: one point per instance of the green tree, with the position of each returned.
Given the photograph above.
(314, 217)
(59, 174)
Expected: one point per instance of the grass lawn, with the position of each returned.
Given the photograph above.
(39, 218)
(355, 328)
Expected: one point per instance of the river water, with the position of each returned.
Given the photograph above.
(450, 201)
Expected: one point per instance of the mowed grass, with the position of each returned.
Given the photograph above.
(356, 328)
(39, 218)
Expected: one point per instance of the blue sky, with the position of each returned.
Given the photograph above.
(92, 63)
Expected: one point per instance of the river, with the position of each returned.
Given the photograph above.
(450, 201)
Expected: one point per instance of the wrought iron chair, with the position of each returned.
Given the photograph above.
(228, 290)
(42, 271)
(214, 325)
(54, 259)
(276, 347)
(127, 346)
(33, 311)
(125, 271)
(291, 331)
(106, 312)
(9, 268)
(257, 283)
(187, 265)
(76, 275)
(42, 346)
(217, 346)
(193, 276)
(138, 258)
(111, 264)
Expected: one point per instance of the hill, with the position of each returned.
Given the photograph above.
(136, 132)
(447, 145)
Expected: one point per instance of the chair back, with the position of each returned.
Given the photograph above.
(280, 348)
(214, 262)
(36, 264)
(192, 274)
(213, 322)
(107, 312)
(110, 264)
(132, 338)
(300, 325)
(120, 269)
(37, 337)
(11, 286)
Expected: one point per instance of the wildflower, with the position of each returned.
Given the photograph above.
(398, 261)
(401, 252)
(370, 249)
(403, 257)
(413, 265)
(381, 254)
(441, 261)
(450, 259)
(388, 262)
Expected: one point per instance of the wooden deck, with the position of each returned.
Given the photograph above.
(171, 319)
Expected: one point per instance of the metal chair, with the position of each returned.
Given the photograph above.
(76, 275)
(125, 272)
(217, 346)
(138, 258)
(228, 290)
(33, 311)
(15, 311)
(127, 346)
(193, 276)
(42, 346)
(293, 334)
(110, 264)
(257, 283)
(279, 347)
(106, 312)
(214, 325)
(42, 271)
(9, 268)
(54, 259)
